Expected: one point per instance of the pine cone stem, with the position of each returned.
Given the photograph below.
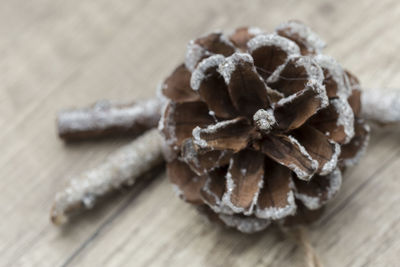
(381, 105)
(105, 118)
(300, 235)
(122, 167)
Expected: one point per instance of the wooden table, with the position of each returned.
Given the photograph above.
(57, 54)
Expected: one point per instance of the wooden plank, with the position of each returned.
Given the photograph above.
(59, 54)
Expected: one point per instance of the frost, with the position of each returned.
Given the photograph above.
(190, 156)
(290, 47)
(199, 75)
(315, 79)
(212, 114)
(296, 28)
(314, 164)
(197, 139)
(285, 44)
(254, 30)
(288, 99)
(345, 118)
(255, 197)
(218, 207)
(194, 53)
(162, 119)
(230, 186)
(224, 39)
(337, 73)
(315, 202)
(320, 89)
(275, 213)
(331, 164)
(227, 67)
(312, 68)
(245, 224)
(211, 129)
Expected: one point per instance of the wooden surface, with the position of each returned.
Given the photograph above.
(57, 54)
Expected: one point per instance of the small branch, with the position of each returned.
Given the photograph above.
(381, 105)
(109, 119)
(121, 168)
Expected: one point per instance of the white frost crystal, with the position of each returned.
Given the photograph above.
(245, 224)
(296, 28)
(276, 213)
(267, 40)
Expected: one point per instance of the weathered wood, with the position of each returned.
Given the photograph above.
(57, 54)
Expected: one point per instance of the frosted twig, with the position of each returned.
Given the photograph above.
(120, 168)
(381, 105)
(106, 118)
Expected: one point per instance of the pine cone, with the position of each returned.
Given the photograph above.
(259, 127)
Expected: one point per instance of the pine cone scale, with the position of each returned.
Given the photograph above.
(181, 118)
(291, 113)
(296, 74)
(245, 173)
(212, 88)
(203, 162)
(271, 53)
(214, 189)
(227, 135)
(177, 86)
(276, 199)
(246, 89)
(287, 151)
(322, 150)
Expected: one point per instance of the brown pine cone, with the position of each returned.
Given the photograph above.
(259, 127)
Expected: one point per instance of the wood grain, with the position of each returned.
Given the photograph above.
(57, 54)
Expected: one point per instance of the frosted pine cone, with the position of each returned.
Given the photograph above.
(260, 126)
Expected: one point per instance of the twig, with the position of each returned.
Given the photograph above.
(109, 119)
(120, 168)
(381, 105)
